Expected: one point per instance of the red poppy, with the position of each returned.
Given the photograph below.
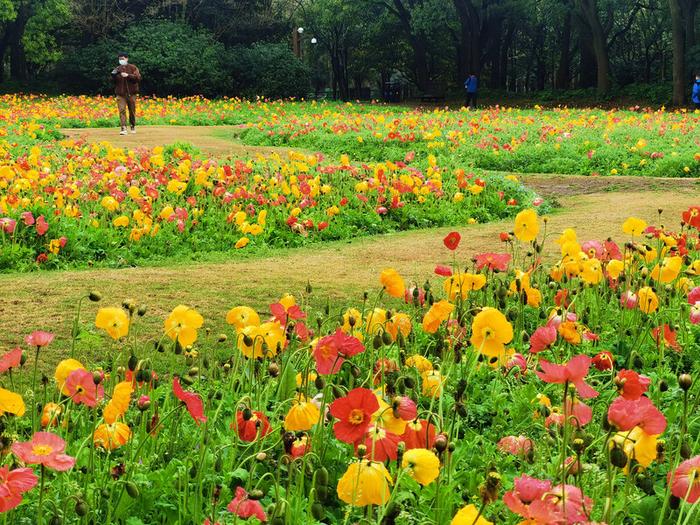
(419, 434)
(504, 236)
(603, 360)
(11, 359)
(244, 507)
(250, 425)
(669, 337)
(626, 414)
(578, 413)
(444, 271)
(561, 298)
(194, 403)
(331, 351)
(632, 384)
(573, 372)
(691, 217)
(493, 261)
(381, 444)
(451, 240)
(529, 500)
(282, 314)
(543, 338)
(405, 408)
(354, 412)
(300, 446)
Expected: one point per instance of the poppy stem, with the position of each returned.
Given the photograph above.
(36, 363)
(40, 506)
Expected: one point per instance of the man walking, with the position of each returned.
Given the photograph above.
(471, 85)
(126, 78)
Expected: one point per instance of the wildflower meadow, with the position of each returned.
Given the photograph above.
(545, 378)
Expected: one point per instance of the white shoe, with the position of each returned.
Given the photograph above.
(122, 132)
(133, 130)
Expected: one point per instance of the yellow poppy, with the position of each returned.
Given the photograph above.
(111, 436)
(490, 331)
(615, 268)
(365, 483)
(11, 403)
(302, 415)
(432, 383)
(375, 320)
(634, 226)
(119, 403)
(392, 283)
(352, 320)
(242, 316)
(422, 465)
(182, 324)
(637, 445)
(526, 226)
(648, 300)
(419, 362)
(114, 321)
(398, 323)
(669, 270)
(469, 515)
(463, 284)
(439, 312)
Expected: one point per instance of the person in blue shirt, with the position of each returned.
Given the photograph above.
(471, 86)
(696, 91)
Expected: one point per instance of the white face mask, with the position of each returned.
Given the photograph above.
(123, 61)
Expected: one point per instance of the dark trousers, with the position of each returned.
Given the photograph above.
(470, 100)
(123, 103)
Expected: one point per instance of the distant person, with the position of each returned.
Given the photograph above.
(126, 78)
(696, 91)
(471, 85)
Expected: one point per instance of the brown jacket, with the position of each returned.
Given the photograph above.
(125, 86)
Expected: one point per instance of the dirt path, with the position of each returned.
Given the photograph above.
(209, 140)
(341, 270)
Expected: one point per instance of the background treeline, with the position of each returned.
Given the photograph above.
(646, 49)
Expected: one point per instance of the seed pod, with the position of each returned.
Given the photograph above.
(132, 490)
(133, 362)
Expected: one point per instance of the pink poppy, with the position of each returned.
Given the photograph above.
(39, 338)
(244, 507)
(28, 218)
(82, 389)
(519, 361)
(45, 448)
(625, 414)
(7, 225)
(629, 300)
(529, 499)
(694, 295)
(516, 445)
(13, 483)
(577, 412)
(493, 261)
(685, 480)
(331, 351)
(543, 338)
(573, 372)
(406, 408)
(41, 225)
(11, 359)
(695, 313)
(408, 295)
(571, 502)
(194, 403)
(283, 315)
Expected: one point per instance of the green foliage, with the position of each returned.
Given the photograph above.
(267, 70)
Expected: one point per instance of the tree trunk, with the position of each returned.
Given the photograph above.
(418, 45)
(586, 73)
(18, 60)
(564, 68)
(589, 9)
(678, 38)
(689, 9)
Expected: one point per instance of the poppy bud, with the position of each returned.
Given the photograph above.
(409, 382)
(193, 371)
(97, 377)
(386, 338)
(685, 381)
(355, 371)
(143, 403)
(579, 445)
(319, 383)
(133, 362)
(308, 287)
(440, 442)
(261, 456)
(256, 494)
(618, 457)
(663, 385)
(317, 511)
(132, 490)
(142, 310)
(685, 450)
(247, 414)
(222, 338)
(193, 471)
(361, 451)
(247, 340)
(273, 369)
(130, 305)
(22, 359)
(56, 520)
(674, 502)
(377, 342)
(188, 380)
(321, 477)
(159, 347)
(645, 483)
(95, 296)
(81, 508)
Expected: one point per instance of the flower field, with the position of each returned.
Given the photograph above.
(545, 378)
(501, 390)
